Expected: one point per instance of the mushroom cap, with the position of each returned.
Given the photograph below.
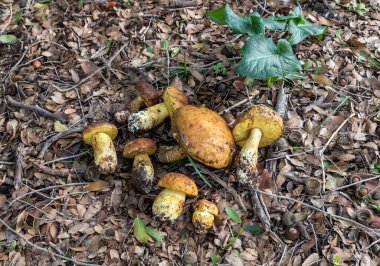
(147, 92)
(174, 98)
(204, 205)
(179, 182)
(139, 146)
(100, 127)
(204, 135)
(261, 117)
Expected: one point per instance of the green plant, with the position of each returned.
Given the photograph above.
(359, 7)
(8, 39)
(126, 3)
(219, 69)
(262, 58)
(337, 260)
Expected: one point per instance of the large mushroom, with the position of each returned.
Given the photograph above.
(142, 175)
(156, 114)
(146, 94)
(201, 134)
(203, 215)
(100, 136)
(258, 127)
(169, 203)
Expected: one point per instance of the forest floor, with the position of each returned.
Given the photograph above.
(68, 70)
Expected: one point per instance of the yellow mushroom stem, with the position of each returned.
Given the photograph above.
(170, 154)
(168, 204)
(104, 153)
(202, 221)
(148, 118)
(135, 105)
(143, 173)
(247, 161)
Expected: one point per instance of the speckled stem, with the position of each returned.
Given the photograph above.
(247, 161)
(143, 173)
(104, 153)
(148, 118)
(168, 205)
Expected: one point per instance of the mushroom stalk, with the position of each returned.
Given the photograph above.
(104, 153)
(247, 161)
(170, 154)
(135, 105)
(169, 204)
(147, 119)
(143, 172)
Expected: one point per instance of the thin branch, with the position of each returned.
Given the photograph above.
(34, 108)
(75, 262)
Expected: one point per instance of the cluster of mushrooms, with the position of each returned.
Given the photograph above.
(200, 133)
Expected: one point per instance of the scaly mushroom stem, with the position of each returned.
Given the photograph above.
(247, 161)
(135, 105)
(148, 118)
(169, 204)
(202, 221)
(104, 153)
(170, 154)
(143, 173)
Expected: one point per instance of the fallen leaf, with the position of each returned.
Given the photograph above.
(354, 41)
(322, 80)
(313, 258)
(59, 127)
(97, 185)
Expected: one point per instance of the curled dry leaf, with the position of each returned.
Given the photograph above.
(97, 186)
(322, 80)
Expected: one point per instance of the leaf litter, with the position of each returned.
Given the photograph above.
(58, 202)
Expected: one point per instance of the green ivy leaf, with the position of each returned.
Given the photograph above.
(139, 231)
(153, 233)
(300, 29)
(237, 23)
(253, 229)
(296, 13)
(217, 15)
(273, 23)
(8, 39)
(214, 259)
(262, 59)
(233, 215)
(374, 62)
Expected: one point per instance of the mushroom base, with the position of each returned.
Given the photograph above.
(104, 153)
(247, 161)
(170, 154)
(143, 173)
(202, 221)
(168, 204)
(148, 118)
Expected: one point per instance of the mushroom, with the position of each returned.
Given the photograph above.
(366, 217)
(170, 154)
(203, 135)
(168, 204)
(142, 175)
(257, 128)
(100, 136)
(146, 93)
(156, 114)
(203, 215)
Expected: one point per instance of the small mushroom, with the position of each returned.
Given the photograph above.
(100, 136)
(168, 205)
(257, 128)
(292, 233)
(203, 215)
(366, 217)
(203, 135)
(142, 175)
(313, 186)
(146, 93)
(156, 114)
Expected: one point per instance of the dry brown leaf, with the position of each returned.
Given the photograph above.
(322, 80)
(89, 67)
(313, 258)
(79, 249)
(20, 220)
(354, 41)
(58, 98)
(97, 185)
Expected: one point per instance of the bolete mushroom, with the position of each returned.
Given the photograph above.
(257, 128)
(203, 215)
(142, 175)
(146, 93)
(169, 203)
(203, 135)
(156, 114)
(100, 136)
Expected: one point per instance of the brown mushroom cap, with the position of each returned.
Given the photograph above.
(100, 127)
(174, 98)
(204, 205)
(147, 92)
(261, 117)
(179, 182)
(204, 135)
(139, 146)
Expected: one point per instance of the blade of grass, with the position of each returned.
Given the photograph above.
(198, 172)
